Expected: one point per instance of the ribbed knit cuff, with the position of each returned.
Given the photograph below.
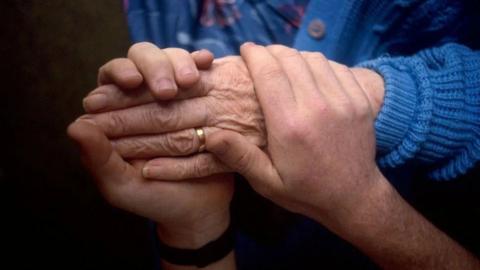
(397, 118)
(396, 114)
(431, 110)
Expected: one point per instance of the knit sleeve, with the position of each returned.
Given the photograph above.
(431, 110)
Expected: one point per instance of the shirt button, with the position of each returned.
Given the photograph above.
(316, 29)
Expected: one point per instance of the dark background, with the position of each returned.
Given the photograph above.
(52, 217)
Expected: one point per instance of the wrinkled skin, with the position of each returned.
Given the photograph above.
(123, 186)
(188, 213)
(224, 98)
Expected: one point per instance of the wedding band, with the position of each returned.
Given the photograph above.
(201, 139)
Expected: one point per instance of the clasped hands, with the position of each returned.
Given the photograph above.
(297, 126)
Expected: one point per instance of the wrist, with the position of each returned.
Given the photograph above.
(362, 210)
(371, 218)
(394, 235)
(195, 234)
(373, 85)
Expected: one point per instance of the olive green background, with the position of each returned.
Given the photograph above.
(52, 217)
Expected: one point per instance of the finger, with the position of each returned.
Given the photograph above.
(203, 58)
(180, 143)
(247, 159)
(324, 76)
(180, 168)
(103, 163)
(110, 97)
(298, 72)
(156, 69)
(186, 72)
(350, 84)
(120, 71)
(271, 84)
(153, 118)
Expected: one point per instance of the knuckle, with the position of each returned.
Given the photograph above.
(163, 117)
(200, 167)
(294, 130)
(318, 108)
(345, 112)
(363, 110)
(283, 51)
(112, 123)
(179, 143)
(107, 89)
(271, 72)
(258, 140)
(107, 67)
(176, 52)
(277, 48)
(317, 57)
(138, 47)
(342, 70)
(242, 161)
(181, 169)
(135, 148)
(296, 133)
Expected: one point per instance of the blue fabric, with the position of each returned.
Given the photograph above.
(356, 31)
(426, 51)
(219, 26)
(431, 110)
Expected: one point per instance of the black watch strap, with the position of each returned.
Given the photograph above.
(206, 255)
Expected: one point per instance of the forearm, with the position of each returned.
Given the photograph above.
(195, 237)
(396, 236)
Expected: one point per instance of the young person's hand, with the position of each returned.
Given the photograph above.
(320, 157)
(159, 72)
(320, 161)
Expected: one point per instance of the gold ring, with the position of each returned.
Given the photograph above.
(201, 139)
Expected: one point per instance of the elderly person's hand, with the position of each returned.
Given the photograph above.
(223, 98)
(320, 161)
(188, 214)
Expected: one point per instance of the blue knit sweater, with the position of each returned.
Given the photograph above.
(426, 51)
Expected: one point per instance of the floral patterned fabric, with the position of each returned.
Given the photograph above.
(218, 25)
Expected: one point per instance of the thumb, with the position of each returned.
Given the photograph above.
(247, 159)
(97, 153)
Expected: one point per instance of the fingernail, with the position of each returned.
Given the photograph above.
(87, 119)
(248, 44)
(130, 74)
(95, 102)
(147, 172)
(163, 85)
